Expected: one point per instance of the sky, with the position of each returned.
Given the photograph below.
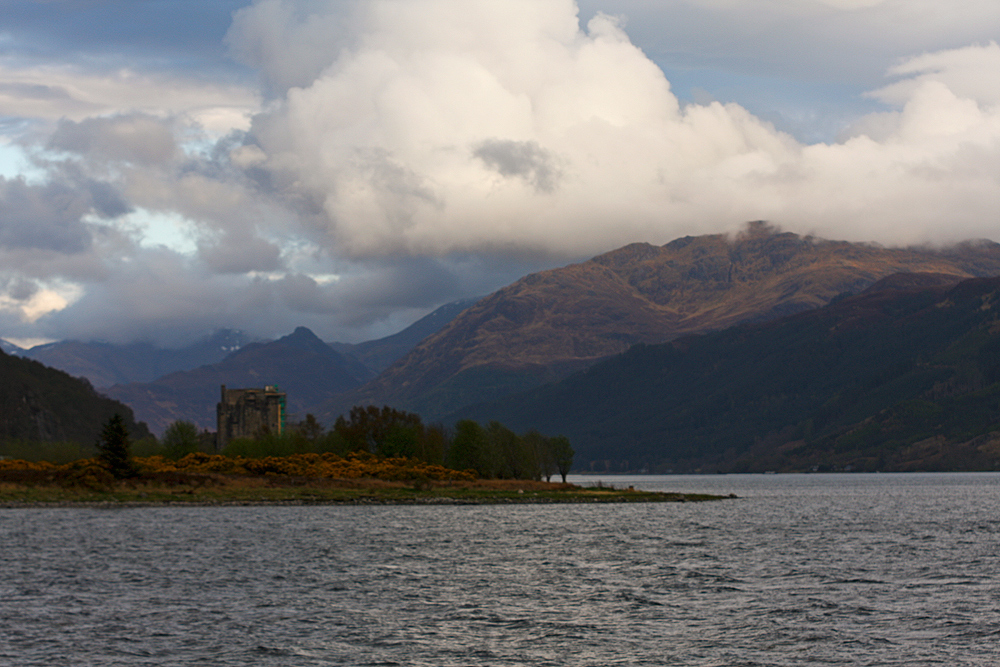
(171, 167)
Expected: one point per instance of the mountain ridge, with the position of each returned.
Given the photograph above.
(301, 364)
(107, 364)
(552, 323)
(381, 353)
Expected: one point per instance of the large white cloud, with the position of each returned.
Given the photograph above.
(456, 125)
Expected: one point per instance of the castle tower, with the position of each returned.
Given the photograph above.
(249, 413)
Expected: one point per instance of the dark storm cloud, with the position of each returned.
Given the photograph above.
(158, 296)
(135, 138)
(22, 289)
(526, 159)
(107, 201)
(240, 253)
(413, 281)
(44, 217)
(163, 297)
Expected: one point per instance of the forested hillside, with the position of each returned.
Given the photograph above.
(905, 376)
(41, 404)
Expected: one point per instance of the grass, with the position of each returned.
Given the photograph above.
(33, 487)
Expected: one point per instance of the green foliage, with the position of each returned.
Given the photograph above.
(496, 452)
(148, 446)
(390, 432)
(434, 444)
(515, 458)
(563, 454)
(333, 443)
(180, 439)
(544, 456)
(468, 449)
(115, 450)
(292, 441)
(310, 429)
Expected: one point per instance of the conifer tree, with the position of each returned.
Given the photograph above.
(114, 448)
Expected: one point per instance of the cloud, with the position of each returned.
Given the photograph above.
(971, 73)
(848, 42)
(51, 92)
(158, 295)
(43, 217)
(448, 126)
(410, 152)
(243, 253)
(290, 43)
(525, 159)
(135, 138)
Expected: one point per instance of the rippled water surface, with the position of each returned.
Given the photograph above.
(811, 569)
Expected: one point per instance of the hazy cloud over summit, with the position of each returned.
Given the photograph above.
(355, 163)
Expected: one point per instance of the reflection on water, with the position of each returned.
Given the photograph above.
(830, 569)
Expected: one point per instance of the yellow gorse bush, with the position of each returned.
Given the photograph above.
(18, 464)
(331, 466)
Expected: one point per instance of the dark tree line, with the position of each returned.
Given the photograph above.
(493, 451)
(496, 452)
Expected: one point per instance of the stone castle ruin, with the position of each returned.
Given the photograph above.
(249, 413)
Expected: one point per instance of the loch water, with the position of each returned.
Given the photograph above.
(798, 570)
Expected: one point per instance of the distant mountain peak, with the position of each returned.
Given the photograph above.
(304, 338)
(303, 333)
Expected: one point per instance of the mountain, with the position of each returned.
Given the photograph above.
(904, 376)
(42, 404)
(549, 324)
(8, 347)
(106, 364)
(302, 365)
(382, 353)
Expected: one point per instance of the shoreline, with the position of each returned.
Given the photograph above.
(295, 480)
(604, 498)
